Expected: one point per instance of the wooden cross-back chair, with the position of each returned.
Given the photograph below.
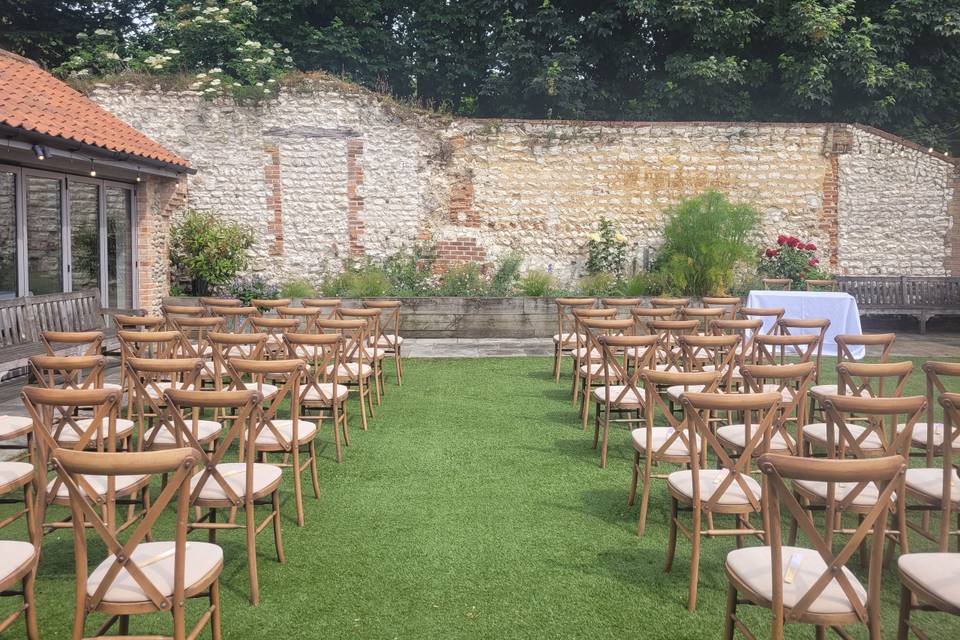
(391, 342)
(213, 304)
(148, 343)
(270, 305)
(729, 304)
(280, 428)
(151, 378)
(774, 349)
(707, 353)
(845, 347)
(274, 328)
(622, 305)
(68, 372)
(16, 486)
(728, 489)
(234, 486)
(53, 411)
(928, 580)
(821, 285)
(328, 306)
(250, 346)
(672, 303)
(643, 315)
(769, 316)
(860, 379)
(624, 357)
(140, 576)
(812, 585)
(565, 340)
(172, 312)
(195, 330)
(353, 370)
(843, 442)
(703, 315)
(594, 371)
(321, 392)
(654, 444)
(815, 326)
(81, 343)
(791, 381)
(777, 284)
(139, 323)
(17, 579)
(928, 437)
(306, 317)
(583, 356)
(671, 354)
(237, 319)
(747, 330)
(375, 353)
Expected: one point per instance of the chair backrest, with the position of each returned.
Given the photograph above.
(237, 319)
(774, 348)
(390, 318)
(355, 332)
(625, 358)
(328, 306)
(306, 317)
(196, 331)
(746, 329)
(68, 372)
(951, 433)
(673, 303)
(291, 374)
(710, 353)
(883, 340)
(171, 311)
(759, 411)
(782, 284)
(150, 344)
(274, 328)
(265, 304)
(937, 374)
(874, 379)
(593, 329)
(177, 465)
(730, 304)
(620, 304)
(214, 304)
(769, 316)
(791, 381)
(670, 332)
(886, 473)
(372, 316)
(654, 404)
(85, 343)
(139, 323)
(150, 377)
(643, 315)
(797, 326)
(703, 315)
(822, 285)
(321, 352)
(882, 414)
(566, 322)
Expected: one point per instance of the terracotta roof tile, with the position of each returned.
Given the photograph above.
(33, 100)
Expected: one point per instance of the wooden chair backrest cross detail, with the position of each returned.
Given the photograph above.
(82, 343)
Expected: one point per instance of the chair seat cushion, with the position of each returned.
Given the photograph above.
(206, 430)
(389, 340)
(124, 484)
(306, 429)
(68, 434)
(265, 476)
(677, 390)
(13, 474)
(14, 426)
(735, 435)
(156, 560)
(14, 554)
(929, 483)
(753, 567)
(195, 348)
(710, 482)
(867, 497)
(581, 352)
(349, 370)
(615, 391)
(594, 369)
(817, 432)
(567, 337)
(156, 389)
(658, 438)
(935, 572)
(324, 393)
(919, 435)
(268, 390)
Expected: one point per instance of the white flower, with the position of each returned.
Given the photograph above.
(288, 59)
(209, 90)
(215, 82)
(216, 70)
(201, 75)
(83, 72)
(110, 55)
(271, 80)
(211, 10)
(253, 44)
(195, 85)
(286, 50)
(620, 238)
(594, 237)
(172, 52)
(259, 84)
(81, 36)
(236, 84)
(248, 59)
(263, 60)
(102, 32)
(223, 21)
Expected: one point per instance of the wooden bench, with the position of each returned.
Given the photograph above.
(921, 298)
(22, 320)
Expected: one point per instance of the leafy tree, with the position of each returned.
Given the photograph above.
(209, 250)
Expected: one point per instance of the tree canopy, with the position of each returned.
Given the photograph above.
(894, 64)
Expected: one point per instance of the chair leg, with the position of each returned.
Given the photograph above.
(634, 478)
(314, 475)
(645, 501)
(672, 539)
(694, 561)
(906, 604)
(728, 625)
(336, 436)
(376, 382)
(399, 367)
(556, 362)
(277, 539)
(363, 408)
(251, 530)
(212, 531)
(297, 483)
(606, 437)
(346, 424)
(215, 633)
(30, 605)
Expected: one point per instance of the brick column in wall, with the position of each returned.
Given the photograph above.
(838, 142)
(354, 199)
(157, 201)
(952, 266)
(271, 174)
(450, 252)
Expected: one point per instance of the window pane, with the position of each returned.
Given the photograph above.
(119, 248)
(44, 246)
(84, 235)
(8, 234)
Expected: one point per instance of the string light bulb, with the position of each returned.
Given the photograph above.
(93, 171)
(138, 174)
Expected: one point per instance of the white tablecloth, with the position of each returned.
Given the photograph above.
(838, 307)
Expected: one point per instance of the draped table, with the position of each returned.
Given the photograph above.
(838, 307)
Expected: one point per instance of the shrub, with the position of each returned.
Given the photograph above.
(537, 283)
(597, 284)
(335, 286)
(298, 288)
(792, 258)
(209, 250)
(410, 272)
(606, 250)
(253, 287)
(462, 280)
(705, 238)
(642, 283)
(505, 276)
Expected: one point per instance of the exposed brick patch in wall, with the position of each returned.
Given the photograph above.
(461, 203)
(271, 174)
(450, 252)
(952, 262)
(354, 199)
(157, 202)
(839, 141)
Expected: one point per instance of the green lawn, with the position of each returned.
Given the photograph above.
(472, 508)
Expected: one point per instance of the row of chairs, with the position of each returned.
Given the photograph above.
(193, 395)
(735, 402)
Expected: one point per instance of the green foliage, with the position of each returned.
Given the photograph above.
(298, 288)
(705, 238)
(597, 284)
(410, 272)
(606, 249)
(208, 250)
(792, 258)
(642, 283)
(462, 280)
(537, 283)
(505, 276)
(254, 287)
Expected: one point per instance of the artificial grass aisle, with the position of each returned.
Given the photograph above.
(472, 508)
